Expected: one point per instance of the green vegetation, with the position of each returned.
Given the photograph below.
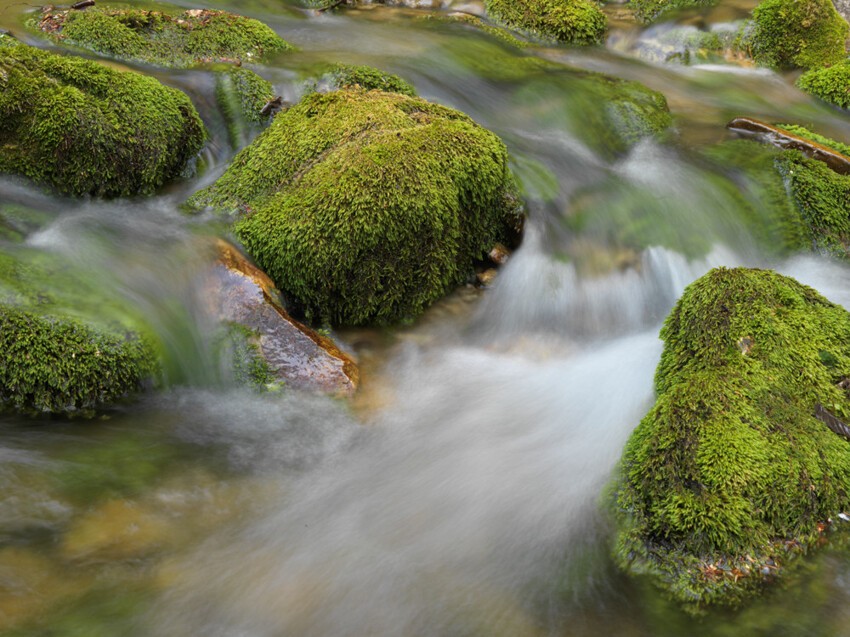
(193, 37)
(86, 129)
(797, 33)
(239, 351)
(241, 95)
(366, 77)
(366, 207)
(572, 21)
(838, 147)
(831, 84)
(61, 366)
(651, 10)
(730, 476)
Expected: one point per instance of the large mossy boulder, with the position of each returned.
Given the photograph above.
(571, 21)
(192, 37)
(735, 472)
(365, 206)
(86, 129)
(797, 34)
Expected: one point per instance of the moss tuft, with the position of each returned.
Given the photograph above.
(572, 21)
(837, 146)
(730, 476)
(831, 84)
(651, 10)
(86, 129)
(797, 33)
(366, 206)
(193, 37)
(242, 94)
(61, 366)
(366, 77)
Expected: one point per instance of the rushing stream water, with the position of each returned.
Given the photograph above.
(459, 493)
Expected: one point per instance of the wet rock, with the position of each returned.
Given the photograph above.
(732, 477)
(487, 277)
(241, 293)
(787, 139)
(499, 254)
(89, 129)
(196, 36)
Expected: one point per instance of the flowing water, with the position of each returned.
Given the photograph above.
(462, 492)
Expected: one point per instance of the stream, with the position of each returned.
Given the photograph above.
(462, 491)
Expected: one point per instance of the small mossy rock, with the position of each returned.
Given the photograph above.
(831, 83)
(86, 129)
(650, 10)
(242, 96)
(797, 34)
(730, 476)
(182, 40)
(286, 351)
(369, 78)
(571, 21)
(365, 206)
(62, 366)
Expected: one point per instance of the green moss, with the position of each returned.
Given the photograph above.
(182, 40)
(823, 199)
(838, 147)
(797, 33)
(240, 352)
(831, 84)
(469, 20)
(369, 78)
(651, 10)
(61, 366)
(572, 21)
(726, 480)
(367, 206)
(86, 129)
(241, 95)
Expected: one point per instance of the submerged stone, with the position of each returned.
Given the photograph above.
(193, 37)
(286, 351)
(366, 207)
(245, 99)
(572, 21)
(797, 34)
(732, 475)
(87, 129)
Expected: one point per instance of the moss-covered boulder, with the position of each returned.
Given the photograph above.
(831, 83)
(797, 34)
(734, 472)
(62, 366)
(369, 78)
(182, 39)
(651, 10)
(365, 206)
(86, 129)
(572, 21)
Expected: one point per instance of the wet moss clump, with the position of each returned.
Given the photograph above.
(831, 84)
(86, 129)
(242, 96)
(62, 366)
(571, 21)
(193, 37)
(837, 146)
(797, 33)
(651, 10)
(365, 206)
(369, 78)
(731, 476)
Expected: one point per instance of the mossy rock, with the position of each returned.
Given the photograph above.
(86, 129)
(571, 21)
(369, 78)
(62, 366)
(365, 206)
(242, 96)
(797, 34)
(181, 40)
(831, 84)
(731, 476)
(650, 10)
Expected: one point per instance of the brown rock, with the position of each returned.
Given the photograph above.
(243, 294)
(499, 254)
